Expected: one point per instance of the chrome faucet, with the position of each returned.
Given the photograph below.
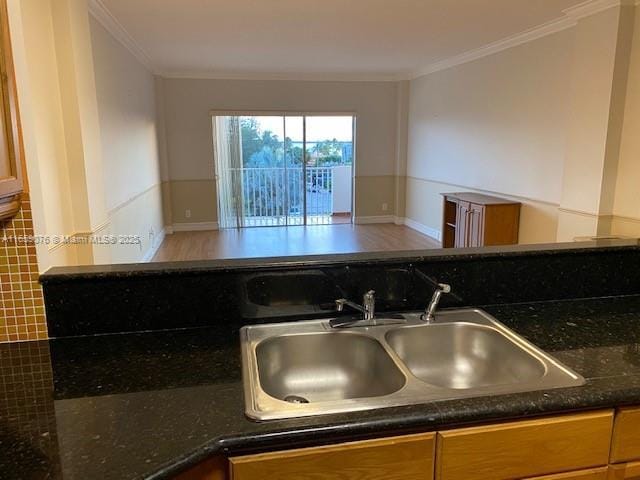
(429, 314)
(368, 309)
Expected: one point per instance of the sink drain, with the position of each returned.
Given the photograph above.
(295, 399)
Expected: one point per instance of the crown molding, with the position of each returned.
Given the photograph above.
(591, 7)
(569, 19)
(115, 28)
(498, 46)
(310, 77)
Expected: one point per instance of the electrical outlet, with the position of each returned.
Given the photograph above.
(187, 213)
(385, 207)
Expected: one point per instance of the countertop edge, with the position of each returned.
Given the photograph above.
(231, 445)
(99, 272)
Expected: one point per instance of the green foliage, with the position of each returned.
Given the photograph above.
(251, 141)
(329, 160)
(328, 148)
(264, 149)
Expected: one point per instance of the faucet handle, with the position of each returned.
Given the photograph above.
(444, 287)
(340, 304)
(369, 295)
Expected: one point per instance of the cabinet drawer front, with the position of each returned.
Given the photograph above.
(525, 449)
(212, 469)
(627, 471)
(591, 474)
(626, 435)
(399, 458)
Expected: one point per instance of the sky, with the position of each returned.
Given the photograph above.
(318, 128)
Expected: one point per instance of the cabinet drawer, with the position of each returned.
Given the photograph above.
(625, 444)
(627, 471)
(408, 457)
(212, 469)
(591, 474)
(525, 449)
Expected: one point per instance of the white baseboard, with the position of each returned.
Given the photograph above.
(159, 238)
(375, 219)
(428, 231)
(194, 227)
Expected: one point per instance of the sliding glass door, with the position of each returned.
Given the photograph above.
(329, 168)
(278, 170)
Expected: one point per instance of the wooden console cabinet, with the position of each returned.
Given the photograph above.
(11, 161)
(601, 445)
(475, 220)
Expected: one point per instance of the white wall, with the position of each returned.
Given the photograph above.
(626, 209)
(496, 124)
(600, 67)
(127, 112)
(125, 91)
(56, 92)
(32, 37)
(188, 104)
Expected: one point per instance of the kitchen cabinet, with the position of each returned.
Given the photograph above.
(579, 446)
(625, 444)
(626, 471)
(475, 220)
(11, 161)
(563, 443)
(214, 468)
(408, 457)
(590, 474)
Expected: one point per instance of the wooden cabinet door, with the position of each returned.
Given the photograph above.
(627, 471)
(409, 457)
(625, 445)
(11, 175)
(525, 449)
(476, 225)
(214, 468)
(462, 225)
(590, 474)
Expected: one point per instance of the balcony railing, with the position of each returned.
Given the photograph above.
(276, 196)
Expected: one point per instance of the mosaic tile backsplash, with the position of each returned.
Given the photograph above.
(22, 315)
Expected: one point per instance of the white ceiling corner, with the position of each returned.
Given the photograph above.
(328, 77)
(115, 28)
(498, 46)
(570, 17)
(591, 7)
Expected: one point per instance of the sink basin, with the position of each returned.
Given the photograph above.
(462, 355)
(326, 366)
(306, 368)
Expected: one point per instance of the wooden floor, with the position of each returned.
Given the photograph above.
(288, 241)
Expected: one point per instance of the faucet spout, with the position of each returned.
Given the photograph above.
(341, 302)
(368, 309)
(429, 314)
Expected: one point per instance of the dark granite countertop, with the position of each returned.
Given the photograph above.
(158, 269)
(148, 405)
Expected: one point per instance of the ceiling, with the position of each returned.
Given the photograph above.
(319, 37)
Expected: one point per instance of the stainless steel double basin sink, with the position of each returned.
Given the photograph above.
(307, 368)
